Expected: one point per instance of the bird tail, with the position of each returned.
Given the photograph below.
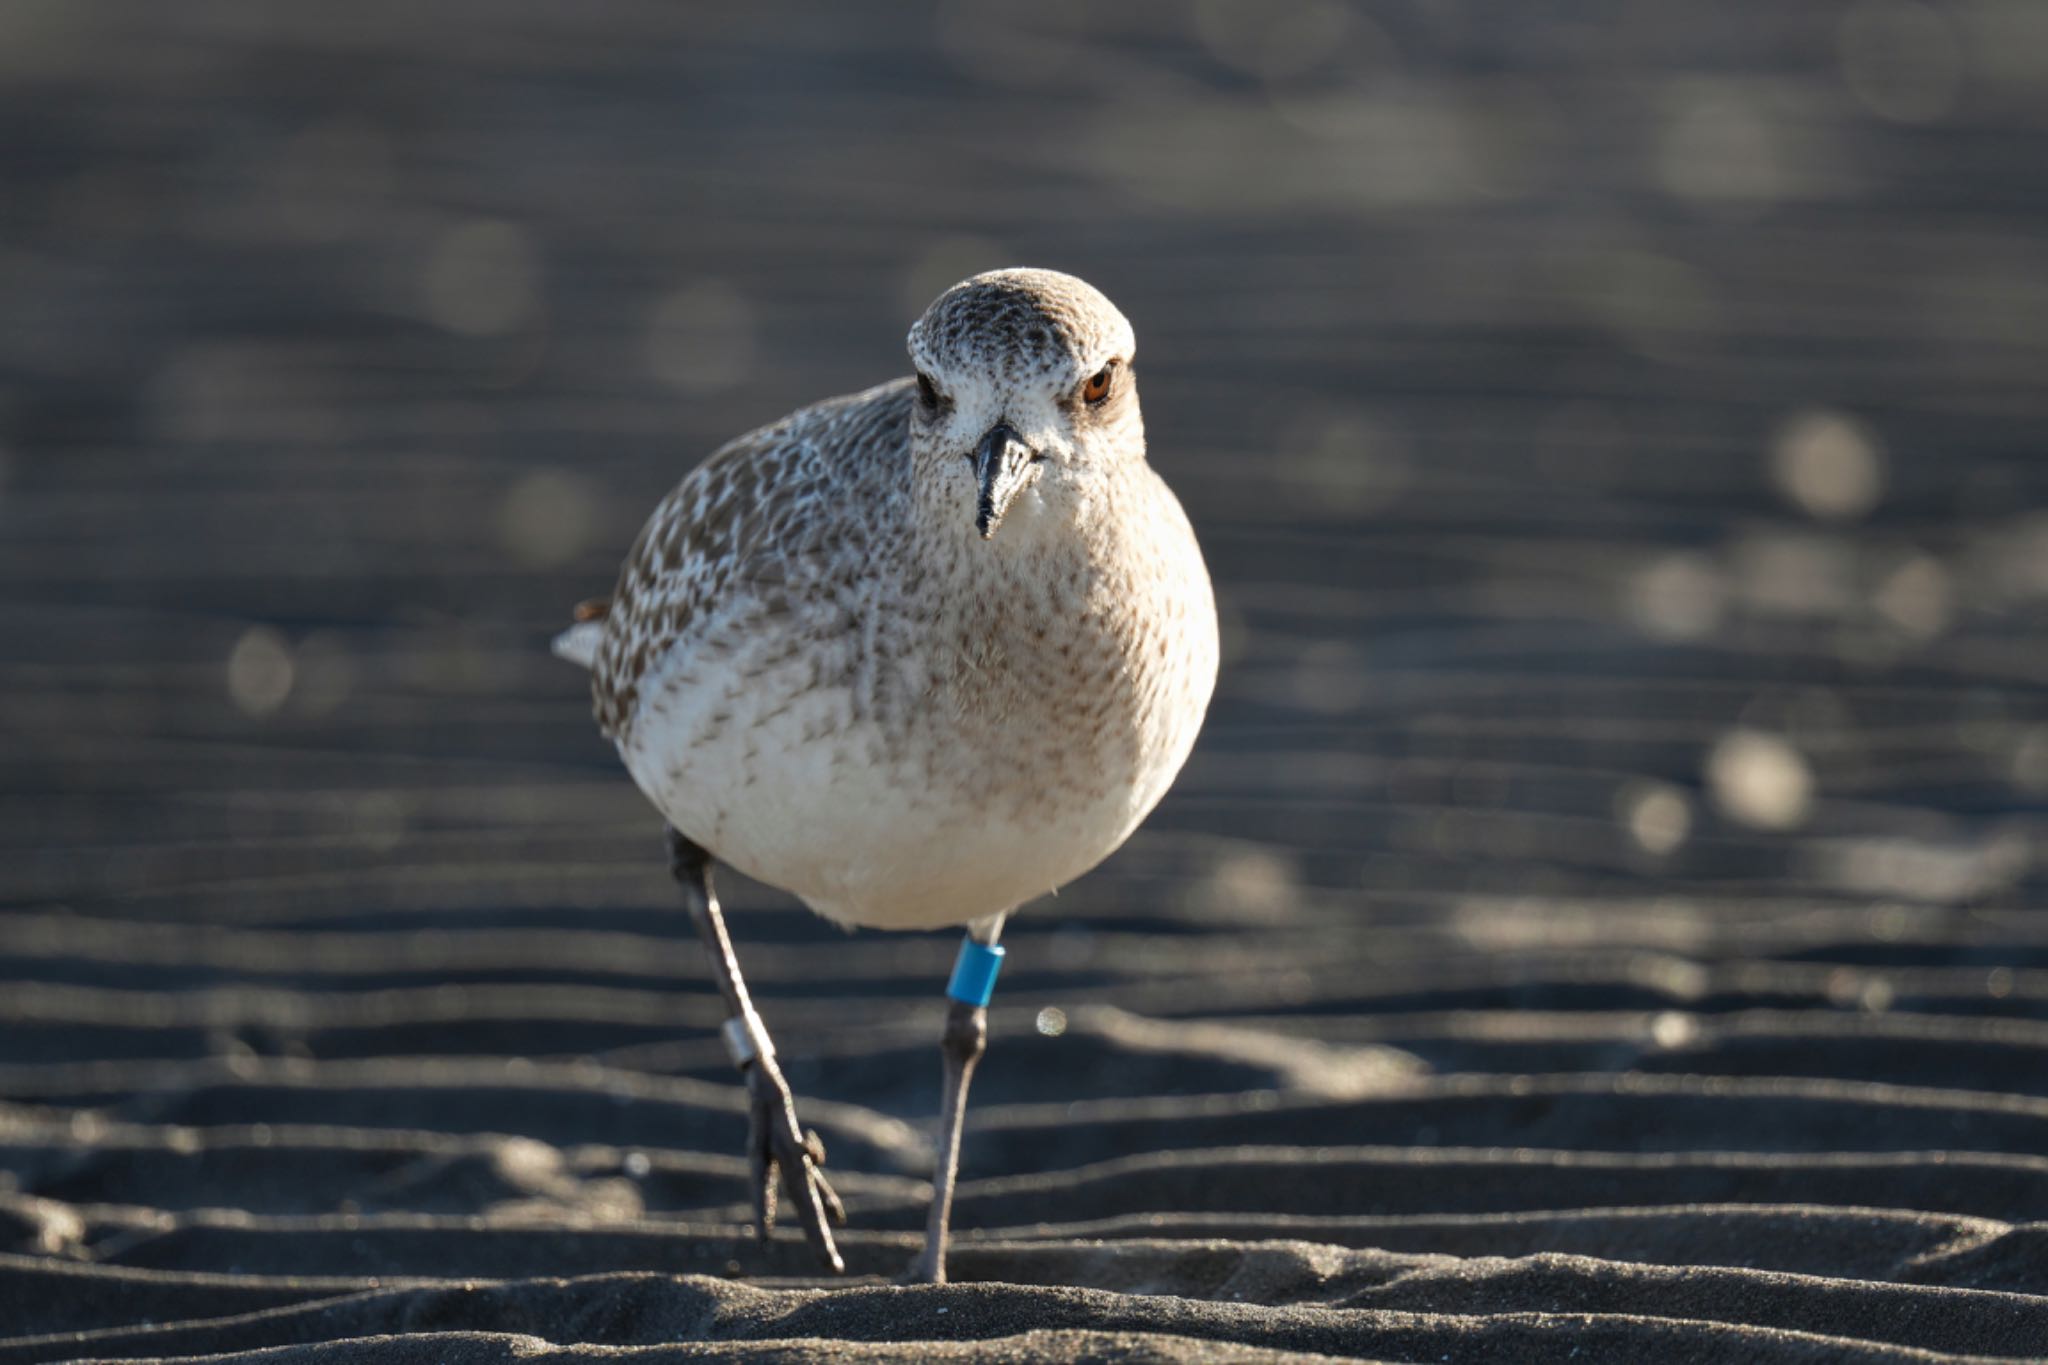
(578, 644)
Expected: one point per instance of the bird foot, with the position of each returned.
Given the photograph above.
(775, 1143)
(928, 1268)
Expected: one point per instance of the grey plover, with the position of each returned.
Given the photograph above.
(917, 655)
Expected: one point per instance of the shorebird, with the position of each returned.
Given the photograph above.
(917, 655)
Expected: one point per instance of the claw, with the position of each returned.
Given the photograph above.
(777, 1147)
(835, 1208)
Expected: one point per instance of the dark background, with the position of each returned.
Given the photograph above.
(1616, 431)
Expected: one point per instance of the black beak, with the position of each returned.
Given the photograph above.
(999, 464)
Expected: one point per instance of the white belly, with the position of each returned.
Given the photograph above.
(912, 814)
(865, 829)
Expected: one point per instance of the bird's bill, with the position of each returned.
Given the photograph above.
(1000, 462)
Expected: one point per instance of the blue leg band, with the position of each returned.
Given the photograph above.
(974, 974)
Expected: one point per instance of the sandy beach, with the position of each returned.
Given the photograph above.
(1602, 922)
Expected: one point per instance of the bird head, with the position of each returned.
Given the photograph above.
(1024, 391)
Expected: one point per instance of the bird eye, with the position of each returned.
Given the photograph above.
(927, 392)
(1097, 387)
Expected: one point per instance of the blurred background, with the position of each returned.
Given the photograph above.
(1616, 431)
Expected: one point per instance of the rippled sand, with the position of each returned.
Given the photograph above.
(1602, 921)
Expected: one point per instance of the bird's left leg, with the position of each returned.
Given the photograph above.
(966, 1037)
(775, 1142)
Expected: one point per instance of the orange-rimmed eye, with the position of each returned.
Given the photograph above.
(1097, 387)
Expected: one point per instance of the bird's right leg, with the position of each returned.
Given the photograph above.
(974, 979)
(775, 1142)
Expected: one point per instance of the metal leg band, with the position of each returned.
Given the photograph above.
(745, 1040)
(974, 973)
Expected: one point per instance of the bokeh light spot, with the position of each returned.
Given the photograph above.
(2030, 761)
(482, 279)
(260, 671)
(1656, 814)
(1916, 597)
(701, 339)
(1658, 304)
(1759, 780)
(545, 519)
(1829, 465)
(1331, 678)
(1248, 884)
(1718, 146)
(1672, 1029)
(1345, 465)
(1679, 596)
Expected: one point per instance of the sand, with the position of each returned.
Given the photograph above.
(402, 1206)
(1602, 922)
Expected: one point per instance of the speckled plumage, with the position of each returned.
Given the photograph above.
(819, 668)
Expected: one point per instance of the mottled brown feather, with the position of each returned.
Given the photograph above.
(760, 512)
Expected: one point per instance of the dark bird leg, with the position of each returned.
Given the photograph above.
(774, 1141)
(974, 981)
